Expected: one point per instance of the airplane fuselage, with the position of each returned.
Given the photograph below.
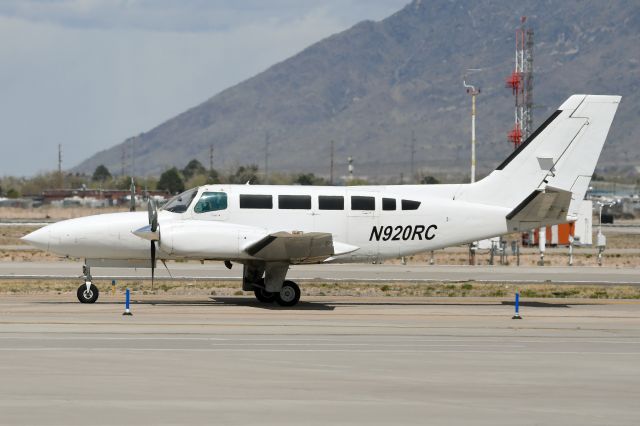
(379, 222)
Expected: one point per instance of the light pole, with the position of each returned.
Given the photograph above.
(473, 91)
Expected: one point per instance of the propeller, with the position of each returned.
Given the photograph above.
(151, 232)
(152, 209)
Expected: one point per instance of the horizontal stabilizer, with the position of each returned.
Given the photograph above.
(297, 248)
(542, 207)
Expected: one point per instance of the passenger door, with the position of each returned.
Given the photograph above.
(362, 216)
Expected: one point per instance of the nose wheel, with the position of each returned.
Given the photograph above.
(88, 294)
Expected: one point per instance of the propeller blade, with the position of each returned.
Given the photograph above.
(166, 267)
(153, 262)
(152, 210)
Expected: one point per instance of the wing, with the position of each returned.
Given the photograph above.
(297, 247)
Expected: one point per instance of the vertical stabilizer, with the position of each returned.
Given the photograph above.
(561, 154)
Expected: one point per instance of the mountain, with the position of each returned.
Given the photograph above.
(370, 87)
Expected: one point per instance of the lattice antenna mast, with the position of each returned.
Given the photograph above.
(521, 84)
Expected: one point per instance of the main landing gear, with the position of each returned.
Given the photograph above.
(87, 292)
(289, 295)
(272, 287)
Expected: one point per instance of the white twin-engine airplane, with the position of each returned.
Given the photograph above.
(269, 228)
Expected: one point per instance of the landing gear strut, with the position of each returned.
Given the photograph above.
(87, 292)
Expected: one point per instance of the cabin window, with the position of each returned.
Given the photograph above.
(294, 202)
(388, 204)
(358, 202)
(211, 202)
(410, 205)
(251, 201)
(331, 202)
(180, 203)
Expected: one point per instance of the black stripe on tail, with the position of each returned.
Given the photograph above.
(530, 139)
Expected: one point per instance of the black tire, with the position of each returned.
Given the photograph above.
(88, 297)
(289, 295)
(264, 296)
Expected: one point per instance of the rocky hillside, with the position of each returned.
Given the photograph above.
(369, 87)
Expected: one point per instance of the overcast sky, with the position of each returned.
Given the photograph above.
(87, 74)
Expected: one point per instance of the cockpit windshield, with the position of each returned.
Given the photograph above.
(180, 203)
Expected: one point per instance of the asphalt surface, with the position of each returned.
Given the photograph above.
(328, 361)
(338, 272)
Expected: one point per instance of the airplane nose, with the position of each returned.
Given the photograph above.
(38, 238)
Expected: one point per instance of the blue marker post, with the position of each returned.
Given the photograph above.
(127, 311)
(517, 306)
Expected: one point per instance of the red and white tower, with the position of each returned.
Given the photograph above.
(521, 84)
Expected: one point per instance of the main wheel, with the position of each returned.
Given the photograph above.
(88, 296)
(289, 294)
(263, 295)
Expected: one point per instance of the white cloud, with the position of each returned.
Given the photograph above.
(88, 74)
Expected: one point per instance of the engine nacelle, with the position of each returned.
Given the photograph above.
(200, 239)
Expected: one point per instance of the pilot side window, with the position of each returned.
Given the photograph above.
(294, 202)
(211, 202)
(358, 202)
(251, 201)
(388, 204)
(331, 202)
(410, 205)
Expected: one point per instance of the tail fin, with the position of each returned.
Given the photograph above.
(559, 158)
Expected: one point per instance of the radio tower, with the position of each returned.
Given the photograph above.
(521, 84)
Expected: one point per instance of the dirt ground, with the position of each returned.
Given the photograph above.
(331, 288)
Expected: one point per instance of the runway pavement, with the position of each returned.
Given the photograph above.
(344, 272)
(358, 361)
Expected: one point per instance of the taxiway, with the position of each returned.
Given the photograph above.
(340, 272)
(329, 360)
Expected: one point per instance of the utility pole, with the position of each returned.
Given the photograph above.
(350, 168)
(331, 169)
(132, 201)
(133, 158)
(413, 154)
(210, 158)
(60, 183)
(266, 158)
(124, 156)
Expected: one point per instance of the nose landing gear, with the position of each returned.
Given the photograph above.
(87, 292)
